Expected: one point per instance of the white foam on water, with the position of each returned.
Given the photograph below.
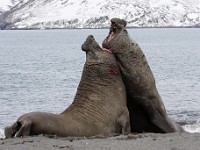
(2, 133)
(193, 128)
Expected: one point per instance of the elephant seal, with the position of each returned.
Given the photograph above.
(99, 106)
(146, 109)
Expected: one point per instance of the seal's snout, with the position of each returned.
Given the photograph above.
(89, 40)
(117, 24)
(83, 47)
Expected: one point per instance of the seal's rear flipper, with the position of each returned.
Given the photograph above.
(157, 115)
(10, 131)
(178, 127)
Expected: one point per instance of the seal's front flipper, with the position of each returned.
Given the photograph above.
(124, 121)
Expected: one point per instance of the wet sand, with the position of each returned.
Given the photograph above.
(150, 141)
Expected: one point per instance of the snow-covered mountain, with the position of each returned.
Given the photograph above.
(6, 5)
(41, 14)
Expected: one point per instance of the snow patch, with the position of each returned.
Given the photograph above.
(5, 5)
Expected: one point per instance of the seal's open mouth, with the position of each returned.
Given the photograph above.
(111, 36)
(113, 27)
(113, 30)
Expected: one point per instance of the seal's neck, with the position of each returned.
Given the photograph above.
(100, 57)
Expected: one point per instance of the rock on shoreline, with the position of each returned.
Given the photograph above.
(149, 141)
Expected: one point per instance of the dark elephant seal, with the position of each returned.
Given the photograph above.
(146, 109)
(99, 106)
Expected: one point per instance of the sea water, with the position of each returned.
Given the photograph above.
(41, 69)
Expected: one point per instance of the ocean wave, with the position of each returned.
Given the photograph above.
(2, 134)
(193, 128)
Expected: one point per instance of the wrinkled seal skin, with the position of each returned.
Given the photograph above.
(99, 106)
(146, 109)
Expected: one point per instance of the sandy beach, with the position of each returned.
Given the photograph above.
(150, 141)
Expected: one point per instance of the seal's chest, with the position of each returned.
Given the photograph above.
(102, 70)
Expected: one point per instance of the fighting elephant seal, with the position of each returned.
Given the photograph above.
(99, 106)
(146, 109)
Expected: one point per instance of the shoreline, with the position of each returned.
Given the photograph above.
(153, 141)
(129, 27)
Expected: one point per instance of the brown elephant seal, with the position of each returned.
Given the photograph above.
(146, 109)
(99, 106)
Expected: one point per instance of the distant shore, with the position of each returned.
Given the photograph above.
(100, 28)
(149, 141)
